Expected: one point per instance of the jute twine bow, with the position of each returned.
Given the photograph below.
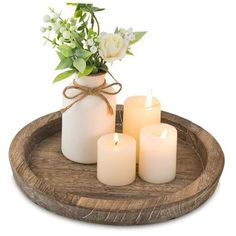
(84, 91)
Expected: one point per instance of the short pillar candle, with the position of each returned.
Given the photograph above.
(116, 159)
(158, 148)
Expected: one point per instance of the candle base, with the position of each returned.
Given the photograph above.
(157, 181)
(115, 184)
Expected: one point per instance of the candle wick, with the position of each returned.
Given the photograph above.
(116, 139)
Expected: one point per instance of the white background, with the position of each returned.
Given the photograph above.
(188, 58)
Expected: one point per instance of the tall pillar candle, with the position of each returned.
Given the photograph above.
(86, 121)
(116, 164)
(158, 147)
(140, 111)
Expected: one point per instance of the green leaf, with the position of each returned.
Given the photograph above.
(65, 50)
(84, 7)
(60, 55)
(103, 67)
(81, 28)
(96, 9)
(78, 14)
(116, 30)
(91, 33)
(82, 18)
(95, 70)
(81, 53)
(129, 53)
(63, 75)
(78, 38)
(138, 36)
(71, 4)
(88, 70)
(65, 63)
(80, 7)
(80, 65)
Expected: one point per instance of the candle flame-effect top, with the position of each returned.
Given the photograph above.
(164, 134)
(116, 139)
(148, 102)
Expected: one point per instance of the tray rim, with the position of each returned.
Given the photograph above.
(18, 164)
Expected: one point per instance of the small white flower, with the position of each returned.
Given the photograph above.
(93, 49)
(132, 37)
(43, 29)
(90, 42)
(62, 29)
(46, 18)
(61, 40)
(66, 34)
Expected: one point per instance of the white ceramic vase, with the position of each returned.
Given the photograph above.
(86, 121)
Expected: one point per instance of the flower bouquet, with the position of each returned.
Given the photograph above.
(85, 51)
(81, 47)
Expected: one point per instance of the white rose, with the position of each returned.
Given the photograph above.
(113, 47)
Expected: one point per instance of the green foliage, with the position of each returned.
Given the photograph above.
(64, 75)
(88, 70)
(65, 63)
(65, 50)
(85, 7)
(77, 41)
(80, 65)
(61, 57)
(129, 53)
(138, 36)
(116, 30)
(81, 53)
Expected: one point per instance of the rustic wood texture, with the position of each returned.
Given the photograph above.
(72, 190)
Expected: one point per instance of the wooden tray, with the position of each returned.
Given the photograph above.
(72, 190)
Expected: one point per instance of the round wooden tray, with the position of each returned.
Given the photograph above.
(72, 190)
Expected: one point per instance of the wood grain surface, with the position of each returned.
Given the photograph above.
(72, 190)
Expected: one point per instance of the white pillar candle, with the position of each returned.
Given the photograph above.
(158, 147)
(140, 111)
(116, 159)
(86, 121)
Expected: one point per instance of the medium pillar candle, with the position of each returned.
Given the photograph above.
(158, 147)
(140, 111)
(116, 159)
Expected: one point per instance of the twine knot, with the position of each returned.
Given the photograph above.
(84, 91)
(90, 91)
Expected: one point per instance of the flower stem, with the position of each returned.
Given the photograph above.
(98, 26)
(50, 40)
